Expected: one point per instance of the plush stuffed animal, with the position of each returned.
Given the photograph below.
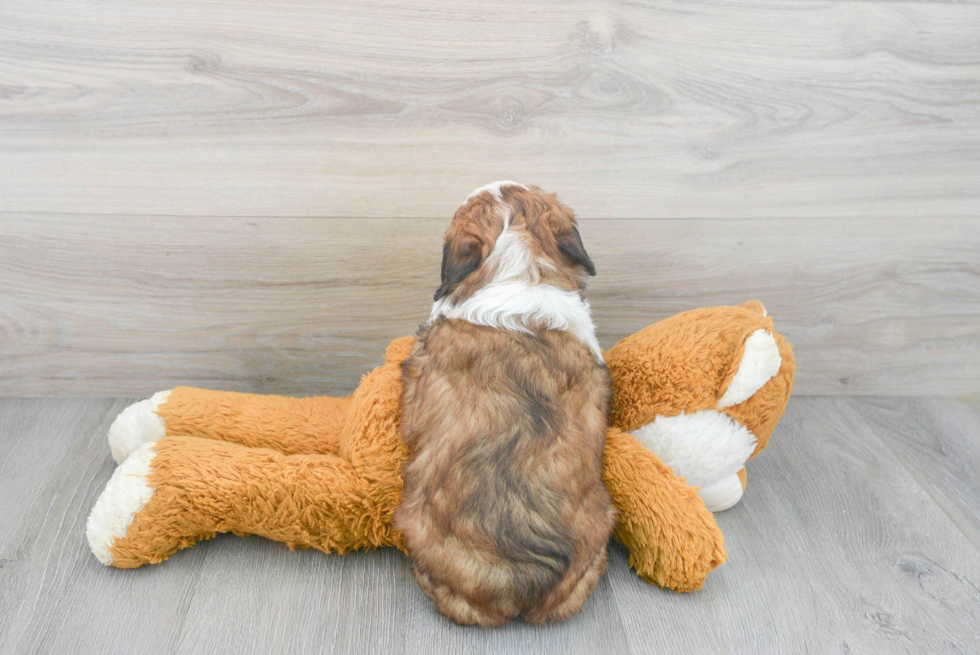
(700, 392)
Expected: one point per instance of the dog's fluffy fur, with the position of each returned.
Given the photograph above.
(504, 408)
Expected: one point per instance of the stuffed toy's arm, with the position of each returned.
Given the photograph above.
(171, 493)
(288, 425)
(673, 539)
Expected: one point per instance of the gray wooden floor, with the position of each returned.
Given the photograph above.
(859, 533)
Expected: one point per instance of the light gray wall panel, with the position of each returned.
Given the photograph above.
(668, 109)
(129, 305)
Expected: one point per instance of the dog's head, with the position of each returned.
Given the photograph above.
(507, 232)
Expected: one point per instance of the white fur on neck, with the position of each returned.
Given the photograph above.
(493, 188)
(515, 305)
(515, 299)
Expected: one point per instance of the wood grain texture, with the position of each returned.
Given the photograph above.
(127, 305)
(836, 547)
(938, 440)
(670, 109)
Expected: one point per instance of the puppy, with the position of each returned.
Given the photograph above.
(504, 511)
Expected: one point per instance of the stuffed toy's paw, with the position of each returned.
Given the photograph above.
(136, 425)
(127, 492)
(673, 540)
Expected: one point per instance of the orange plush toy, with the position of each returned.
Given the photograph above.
(699, 393)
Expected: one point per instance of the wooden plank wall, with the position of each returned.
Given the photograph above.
(126, 305)
(251, 195)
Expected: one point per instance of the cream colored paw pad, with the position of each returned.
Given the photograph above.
(127, 492)
(137, 425)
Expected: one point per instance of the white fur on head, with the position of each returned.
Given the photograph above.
(515, 299)
(511, 259)
(493, 188)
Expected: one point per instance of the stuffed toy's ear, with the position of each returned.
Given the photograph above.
(756, 306)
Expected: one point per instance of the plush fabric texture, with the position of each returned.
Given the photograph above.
(325, 473)
(673, 540)
(336, 493)
(684, 363)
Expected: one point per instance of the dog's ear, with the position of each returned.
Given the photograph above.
(458, 261)
(570, 245)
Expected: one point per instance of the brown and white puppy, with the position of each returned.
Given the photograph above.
(504, 512)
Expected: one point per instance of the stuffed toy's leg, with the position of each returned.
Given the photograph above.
(171, 493)
(672, 538)
(312, 472)
(289, 425)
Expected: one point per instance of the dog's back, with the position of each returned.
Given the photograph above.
(504, 510)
